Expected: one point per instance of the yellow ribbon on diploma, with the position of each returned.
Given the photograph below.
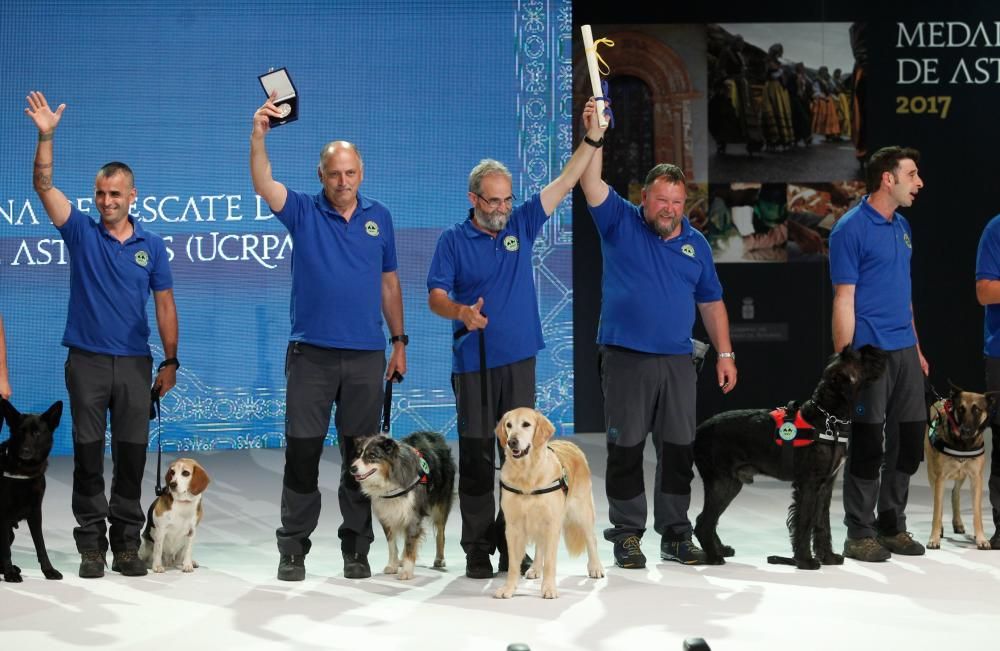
(602, 65)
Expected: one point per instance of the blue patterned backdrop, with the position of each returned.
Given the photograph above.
(426, 90)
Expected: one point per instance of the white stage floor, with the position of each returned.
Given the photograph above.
(946, 599)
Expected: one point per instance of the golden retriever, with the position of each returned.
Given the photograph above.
(544, 487)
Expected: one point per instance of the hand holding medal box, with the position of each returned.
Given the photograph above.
(278, 84)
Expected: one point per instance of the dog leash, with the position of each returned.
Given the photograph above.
(154, 411)
(387, 403)
(484, 376)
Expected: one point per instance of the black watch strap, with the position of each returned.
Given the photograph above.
(593, 143)
(405, 339)
(170, 361)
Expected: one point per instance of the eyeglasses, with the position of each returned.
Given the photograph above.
(496, 202)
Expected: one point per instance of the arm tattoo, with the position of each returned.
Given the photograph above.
(43, 182)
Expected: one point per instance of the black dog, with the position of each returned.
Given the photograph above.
(23, 460)
(407, 481)
(805, 444)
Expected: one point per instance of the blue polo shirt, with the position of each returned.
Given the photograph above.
(337, 268)
(650, 285)
(988, 268)
(109, 286)
(873, 254)
(468, 263)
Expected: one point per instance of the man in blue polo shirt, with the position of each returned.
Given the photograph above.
(483, 266)
(988, 294)
(870, 249)
(657, 268)
(343, 277)
(114, 266)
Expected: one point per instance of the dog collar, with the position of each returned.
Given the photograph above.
(938, 444)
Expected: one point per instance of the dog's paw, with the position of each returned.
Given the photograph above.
(405, 575)
(714, 560)
(831, 559)
(549, 592)
(390, 569)
(51, 573)
(595, 570)
(195, 564)
(188, 567)
(983, 543)
(807, 563)
(439, 564)
(505, 592)
(12, 575)
(958, 527)
(159, 569)
(727, 551)
(934, 543)
(532, 573)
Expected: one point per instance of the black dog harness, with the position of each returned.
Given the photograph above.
(423, 478)
(556, 485)
(939, 444)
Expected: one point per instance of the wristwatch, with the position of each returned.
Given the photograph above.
(170, 361)
(403, 338)
(730, 355)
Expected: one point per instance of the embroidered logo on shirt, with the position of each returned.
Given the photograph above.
(906, 240)
(141, 258)
(511, 243)
(688, 250)
(371, 228)
(787, 431)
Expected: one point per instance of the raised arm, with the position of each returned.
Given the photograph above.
(716, 321)
(55, 202)
(273, 192)
(553, 193)
(4, 374)
(392, 310)
(593, 186)
(843, 316)
(166, 322)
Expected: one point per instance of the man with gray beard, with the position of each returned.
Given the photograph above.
(483, 265)
(657, 269)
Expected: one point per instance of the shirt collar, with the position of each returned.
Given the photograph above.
(324, 204)
(873, 215)
(138, 233)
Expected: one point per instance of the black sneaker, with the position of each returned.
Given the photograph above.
(682, 551)
(92, 564)
(292, 567)
(902, 543)
(128, 563)
(628, 555)
(356, 566)
(478, 565)
(503, 562)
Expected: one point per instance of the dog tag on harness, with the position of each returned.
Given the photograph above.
(788, 431)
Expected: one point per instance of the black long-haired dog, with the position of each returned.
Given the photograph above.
(407, 481)
(803, 443)
(24, 457)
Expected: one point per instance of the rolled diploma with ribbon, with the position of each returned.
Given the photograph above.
(595, 76)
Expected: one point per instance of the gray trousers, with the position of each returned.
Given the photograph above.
(886, 448)
(99, 384)
(317, 379)
(993, 384)
(508, 387)
(645, 394)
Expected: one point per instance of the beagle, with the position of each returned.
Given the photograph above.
(173, 517)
